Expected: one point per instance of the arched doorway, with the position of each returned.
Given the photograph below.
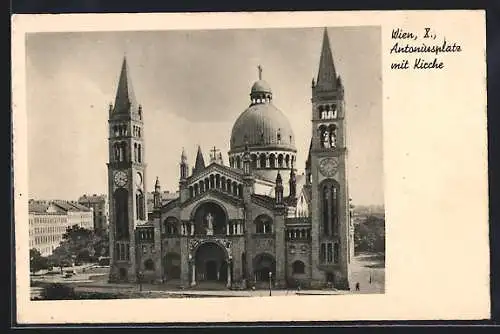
(210, 219)
(211, 264)
(122, 272)
(172, 266)
(263, 264)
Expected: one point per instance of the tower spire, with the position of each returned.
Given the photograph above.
(125, 100)
(259, 68)
(157, 184)
(183, 155)
(157, 194)
(327, 76)
(200, 162)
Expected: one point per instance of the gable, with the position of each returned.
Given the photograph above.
(214, 169)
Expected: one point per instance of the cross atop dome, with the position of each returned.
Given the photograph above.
(259, 68)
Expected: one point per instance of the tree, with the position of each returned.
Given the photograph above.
(37, 261)
(100, 245)
(61, 256)
(369, 235)
(82, 245)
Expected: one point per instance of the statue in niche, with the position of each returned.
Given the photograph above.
(210, 224)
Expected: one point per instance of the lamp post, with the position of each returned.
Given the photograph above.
(270, 282)
(139, 278)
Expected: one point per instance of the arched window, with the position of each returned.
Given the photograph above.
(332, 132)
(217, 181)
(235, 189)
(149, 265)
(329, 252)
(223, 183)
(263, 160)
(139, 153)
(272, 160)
(334, 205)
(212, 182)
(324, 136)
(240, 190)
(170, 226)
(298, 267)
(320, 112)
(116, 151)
(253, 158)
(191, 192)
(202, 186)
(263, 224)
(326, 216)
(196, 192)
(139, 202)
(280, 160)
(121, 213)
(123, 153)
(287, 161)
(322, 253)
(228, 185)
(329, 207)
(135, 152)
(238, 162)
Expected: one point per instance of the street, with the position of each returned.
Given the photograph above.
(366, 269)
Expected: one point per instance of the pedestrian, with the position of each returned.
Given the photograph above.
(357, 286)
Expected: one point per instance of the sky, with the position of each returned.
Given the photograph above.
(192, 86)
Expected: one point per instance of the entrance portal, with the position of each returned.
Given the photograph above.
(263, 265)
(210, 264)
(172, 266)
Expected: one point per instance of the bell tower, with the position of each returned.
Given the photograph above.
(327, 164)
(126, 175)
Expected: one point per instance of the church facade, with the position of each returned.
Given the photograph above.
(244, 223)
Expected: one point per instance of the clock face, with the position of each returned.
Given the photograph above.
(328, 167)
(138, 179)
(121, 178)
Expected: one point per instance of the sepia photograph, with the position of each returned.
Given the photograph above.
(243, 162)
(250, 167)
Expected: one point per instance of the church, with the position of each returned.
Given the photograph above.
(249, 223)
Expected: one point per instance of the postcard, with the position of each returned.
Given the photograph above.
(243, 167)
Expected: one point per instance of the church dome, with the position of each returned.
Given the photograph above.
(262, 125)
(261, 86)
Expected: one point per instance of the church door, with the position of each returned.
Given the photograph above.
(211, 270)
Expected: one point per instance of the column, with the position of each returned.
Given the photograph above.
(193, 273)
(227, 228)
(192, 228)
(229, 274)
